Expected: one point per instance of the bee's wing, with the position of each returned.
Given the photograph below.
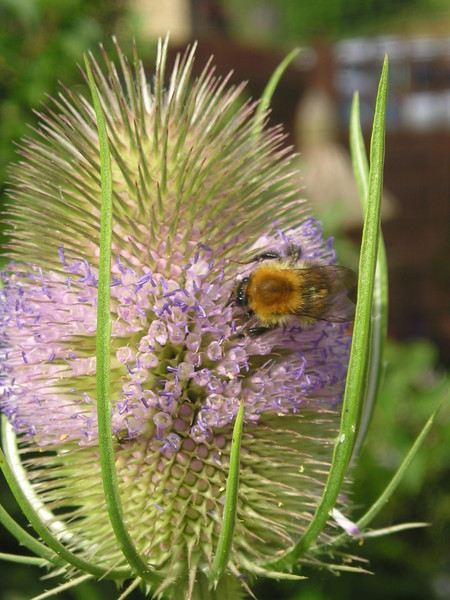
(343, 311)
(339, 304)
(343, 294)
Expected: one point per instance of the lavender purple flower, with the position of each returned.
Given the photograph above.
(199, 185)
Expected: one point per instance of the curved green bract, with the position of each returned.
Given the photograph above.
(356, 386)
(229, 510)
(376, 365)
(271, 86)
(109, 476)
(387, 493)
(24, 560)
(53, 550)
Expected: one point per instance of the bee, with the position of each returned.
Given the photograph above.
(280, 288)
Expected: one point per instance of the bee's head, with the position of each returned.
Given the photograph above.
(239, 293)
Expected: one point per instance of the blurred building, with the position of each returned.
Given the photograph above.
(155, 18)
(419, 80)
(417, 170)
(185, 19)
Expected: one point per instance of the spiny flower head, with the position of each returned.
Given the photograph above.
(200, 186)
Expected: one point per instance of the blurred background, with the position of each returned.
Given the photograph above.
(343, 44)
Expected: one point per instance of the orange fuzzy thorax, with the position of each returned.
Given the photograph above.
(274, 292)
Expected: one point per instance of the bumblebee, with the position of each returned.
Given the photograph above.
(278, 289)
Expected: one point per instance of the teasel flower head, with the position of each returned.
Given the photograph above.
(200, 185)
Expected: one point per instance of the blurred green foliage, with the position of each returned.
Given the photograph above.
(289, 22)
(41, 42)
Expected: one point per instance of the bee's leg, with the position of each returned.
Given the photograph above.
(294, 252)
(257, 331)
(250, 332)
(266, 255)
